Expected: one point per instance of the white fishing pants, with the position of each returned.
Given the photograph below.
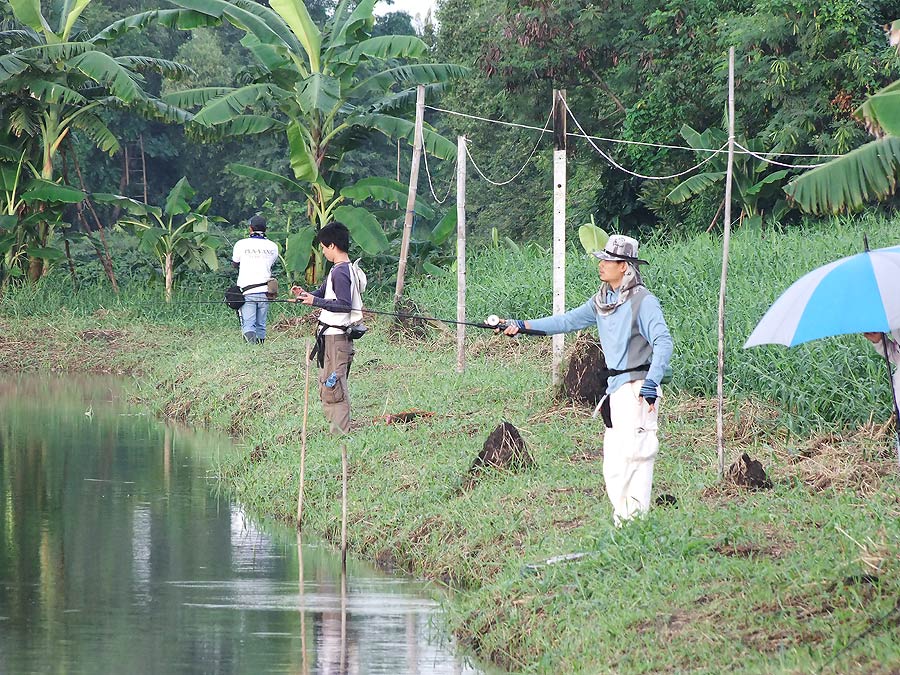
(629, 451)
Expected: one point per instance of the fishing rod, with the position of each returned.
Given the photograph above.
(492, 322)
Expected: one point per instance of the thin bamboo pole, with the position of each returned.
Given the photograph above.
(303, 438)
(411, 197)
(303, 655)
(343, 504)
(726, 243)
(460, 253)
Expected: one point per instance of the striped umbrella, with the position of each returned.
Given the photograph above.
(857, 294)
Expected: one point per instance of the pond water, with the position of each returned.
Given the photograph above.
(118, 555)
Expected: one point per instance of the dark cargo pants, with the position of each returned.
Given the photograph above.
(339, 353)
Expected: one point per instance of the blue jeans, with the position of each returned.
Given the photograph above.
(253, 314)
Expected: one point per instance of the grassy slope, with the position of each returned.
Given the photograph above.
(752, 582)
(728, 580)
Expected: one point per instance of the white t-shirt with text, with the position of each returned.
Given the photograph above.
(256, 257)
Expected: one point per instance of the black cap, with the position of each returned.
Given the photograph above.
(258, 223)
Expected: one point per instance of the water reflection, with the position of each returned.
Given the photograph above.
(116, 556)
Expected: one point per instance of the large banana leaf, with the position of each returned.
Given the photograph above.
(298, 249)
(348, 31)
(190, 98)
(405, 101)
(97, 131)
(251, 16)
(182, 19)
(263, 175)
(40, 190)
(773, 177)
(170, 69)
(318, 92)
(243, 125)
(271, 20)
(302, 161)
(364, 228)
(47, 253)
(104, 69)
(881, 111)
(233, 104)
(407, 76)
(397, 128)
(297, 17)
(156, 109)
(71, 16)
(179, 197)
(131, 206)
(848, 182)
(386, 47)
(694, 185)
(54, 92)
(445, 227)
(29, 13)
(11, 65)
(384, 190)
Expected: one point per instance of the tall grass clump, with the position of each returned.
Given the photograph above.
(838, 380)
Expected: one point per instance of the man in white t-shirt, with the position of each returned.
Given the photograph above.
(254, 257)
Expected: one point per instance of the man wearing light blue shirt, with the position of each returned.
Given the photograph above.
(637, 348)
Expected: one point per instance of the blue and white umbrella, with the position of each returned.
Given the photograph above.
(857, 294)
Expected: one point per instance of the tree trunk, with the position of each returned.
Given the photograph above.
(169, 270)
(103, 256)
(71, 264)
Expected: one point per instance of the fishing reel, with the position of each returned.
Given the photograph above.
(493, 321)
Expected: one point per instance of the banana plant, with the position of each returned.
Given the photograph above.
(866, 173)
(592, 237)
(177, 234)
(754, 188)
(28, 202)
(56, 82)
(325, 90)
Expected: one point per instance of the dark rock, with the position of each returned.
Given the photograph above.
(582, 381)
(749, 473)
(503, 449)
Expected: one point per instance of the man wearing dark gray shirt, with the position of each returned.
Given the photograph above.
(334, 348)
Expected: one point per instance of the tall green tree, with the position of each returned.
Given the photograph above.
(325, 89)
(868, 172)
(56, 82)
(638, 70)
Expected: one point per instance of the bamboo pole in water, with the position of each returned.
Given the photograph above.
(305, 664)
(343, 504)
(303, 438)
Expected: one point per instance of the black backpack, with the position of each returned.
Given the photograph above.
(234, 295)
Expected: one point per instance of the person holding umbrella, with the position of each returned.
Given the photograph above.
(856, 294)
(892, 354)
(637, 348)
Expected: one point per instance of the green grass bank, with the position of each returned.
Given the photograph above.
(798, 579)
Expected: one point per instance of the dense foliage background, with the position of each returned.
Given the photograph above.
(643, 71)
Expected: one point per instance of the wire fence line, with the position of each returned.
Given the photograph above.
(613, 162)
(519, 172)
(452, 181)
(622, 141)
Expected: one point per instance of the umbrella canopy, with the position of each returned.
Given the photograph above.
(856, 294)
